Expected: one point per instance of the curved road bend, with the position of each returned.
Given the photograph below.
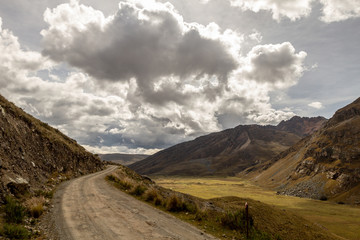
(90, 208)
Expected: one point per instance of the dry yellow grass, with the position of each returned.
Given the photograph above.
(342, 220)
(36, 206)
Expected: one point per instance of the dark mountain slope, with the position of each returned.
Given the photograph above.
(325, 164)
(32, 152)
(222, 153)
(302, 126)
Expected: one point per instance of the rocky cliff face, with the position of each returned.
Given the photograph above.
(224, 153)
(33, 153)
(325, 164)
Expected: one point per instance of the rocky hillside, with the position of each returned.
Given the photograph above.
(323, 165)
(123, 159)
(32, 153)
(227, 152)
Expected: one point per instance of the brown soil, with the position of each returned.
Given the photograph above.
(90, 208)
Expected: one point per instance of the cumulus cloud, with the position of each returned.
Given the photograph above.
(146, 40)
(292, 9)
(317, 105)
(339, 10)
(278, 65)
(143, 79)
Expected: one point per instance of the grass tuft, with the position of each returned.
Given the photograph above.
(35, 206)
(151, 194)
(175, 203)
(14, 211)
(14, 231)
(138, 190)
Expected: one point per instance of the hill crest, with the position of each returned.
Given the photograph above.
(224, 153)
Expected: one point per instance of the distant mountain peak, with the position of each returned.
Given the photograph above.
(302, 126)
(229, 151)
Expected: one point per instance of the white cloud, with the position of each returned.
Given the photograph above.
(144, 79)
(292, 9)
(340, 10)
(256, 36)
(317, 105)
(332, 11)
(144, 39)
(120, 149)
(277, 65)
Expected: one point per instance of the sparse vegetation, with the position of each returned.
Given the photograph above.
(123, 184)
(46, 194)
(345, 224)
(138, 190)
(14, 231)
(152, 195)
(236, 220)
(14, 217)
(215, 217)
(175, 203)
(14, 211)
(35, 206)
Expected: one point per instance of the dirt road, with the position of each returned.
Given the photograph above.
(90, 208)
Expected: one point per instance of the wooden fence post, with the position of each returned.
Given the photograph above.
(247, 219)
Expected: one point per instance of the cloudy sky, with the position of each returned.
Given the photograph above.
(137, 76)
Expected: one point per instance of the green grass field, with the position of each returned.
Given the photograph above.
(342, 220)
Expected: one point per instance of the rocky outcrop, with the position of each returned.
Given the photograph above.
(326, 164)
(33, 154)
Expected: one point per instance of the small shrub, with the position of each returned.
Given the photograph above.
(151, 194)
(323, 198)
(35, 206)
(190, 207)
(175, 204)
(158, 200)
(13, 231)
(138, 190)
(46, 194)
(36, 211)
(111, 178)
(14, 211)
(258, 235)
(201, 215)
(236, 220)
(126, 184)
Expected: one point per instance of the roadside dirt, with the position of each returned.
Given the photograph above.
(90, 208)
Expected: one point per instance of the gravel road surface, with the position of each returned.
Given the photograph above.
(90, 208)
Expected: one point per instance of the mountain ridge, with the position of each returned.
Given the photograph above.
(227, 152)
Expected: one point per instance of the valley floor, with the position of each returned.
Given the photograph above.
(341, 220)
(90, 208)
